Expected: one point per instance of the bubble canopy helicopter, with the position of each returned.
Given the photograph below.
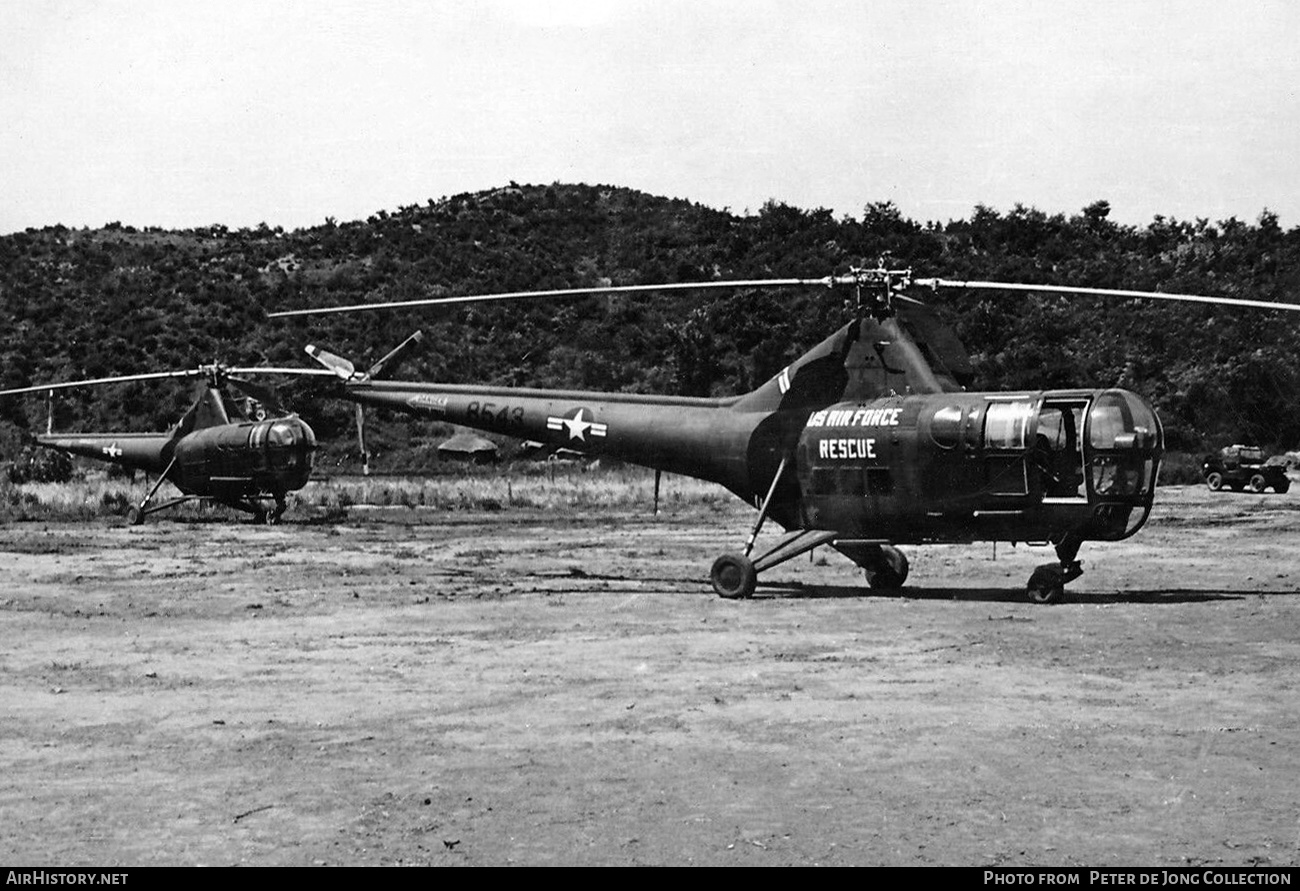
(868, 441)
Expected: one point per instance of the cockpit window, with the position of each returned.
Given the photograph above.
(280, 436)
(1125, 434)
(1114, 421)
(945, 426)
(1005, 423)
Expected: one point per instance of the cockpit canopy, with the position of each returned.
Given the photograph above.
(286, 443)
(1121, 420)
(290, 432)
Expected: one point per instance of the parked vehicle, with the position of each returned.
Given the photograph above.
(1244, 467)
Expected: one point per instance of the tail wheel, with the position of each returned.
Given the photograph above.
(890, 572)
(734, 577)
(1214, 480)
(1258, 483)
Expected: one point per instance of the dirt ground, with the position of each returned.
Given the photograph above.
(412, 687)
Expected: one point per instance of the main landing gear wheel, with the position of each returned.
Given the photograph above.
(891, 571)
(734, 577)
(1214, 480)
(134, 516)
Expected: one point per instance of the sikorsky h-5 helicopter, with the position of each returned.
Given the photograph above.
(868, 441)
(244, 464)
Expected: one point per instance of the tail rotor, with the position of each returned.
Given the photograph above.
(347, 373)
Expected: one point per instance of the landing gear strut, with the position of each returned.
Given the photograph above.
(263, 517)
(254, 505)
(1047, 583)
(136, 513)
(735, 576)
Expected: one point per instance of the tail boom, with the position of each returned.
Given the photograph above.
(703, 438)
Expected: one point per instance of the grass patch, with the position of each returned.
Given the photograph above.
(509, 487)
(474, 489)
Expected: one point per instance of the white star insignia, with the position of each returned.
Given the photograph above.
(577, 425)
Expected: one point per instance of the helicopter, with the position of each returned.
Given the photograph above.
(868, 441)
(248, 464)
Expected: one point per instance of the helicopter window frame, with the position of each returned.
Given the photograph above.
(1121, 435)
(1063, 460)
(852, 482)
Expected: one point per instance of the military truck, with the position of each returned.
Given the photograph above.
(1244, 467)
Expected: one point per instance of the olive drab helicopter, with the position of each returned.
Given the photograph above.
(250, 465)
(868, 441)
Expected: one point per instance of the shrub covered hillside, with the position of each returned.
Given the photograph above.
(117, 300)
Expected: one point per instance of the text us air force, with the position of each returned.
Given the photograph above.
(851, 448)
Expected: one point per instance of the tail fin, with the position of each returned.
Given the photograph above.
(209, 410)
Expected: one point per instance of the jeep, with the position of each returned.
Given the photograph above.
(1243, 467)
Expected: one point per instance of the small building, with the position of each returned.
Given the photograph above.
(468, 447)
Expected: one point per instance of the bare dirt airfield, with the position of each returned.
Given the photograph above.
(411, 686)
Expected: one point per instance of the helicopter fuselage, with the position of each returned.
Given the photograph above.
(934, 467)
(957, 467)
(230, 462)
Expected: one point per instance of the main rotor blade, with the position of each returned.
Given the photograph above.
(122, 379)
(297, 372)
(827, 281)
(1103, 292)
(166, 375)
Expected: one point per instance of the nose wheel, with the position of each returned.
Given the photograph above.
(1047, 582)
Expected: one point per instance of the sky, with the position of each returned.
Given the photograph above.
(159, 113)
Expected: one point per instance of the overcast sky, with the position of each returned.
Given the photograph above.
(180, 114)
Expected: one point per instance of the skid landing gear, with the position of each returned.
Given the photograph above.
(1047, 583)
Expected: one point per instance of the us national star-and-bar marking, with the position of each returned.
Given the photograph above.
(578, 424)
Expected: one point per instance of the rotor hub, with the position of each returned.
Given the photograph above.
(874, 288)
(217, 374)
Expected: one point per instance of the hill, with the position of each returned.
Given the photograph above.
(116, 300)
